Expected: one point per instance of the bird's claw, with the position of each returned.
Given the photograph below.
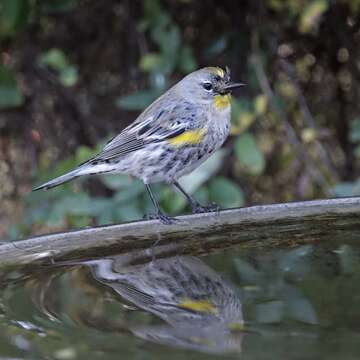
(166, 220)
(198, 209)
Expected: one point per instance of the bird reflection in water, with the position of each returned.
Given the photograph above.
(198, 309)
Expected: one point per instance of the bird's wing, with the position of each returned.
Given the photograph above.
(157, 123)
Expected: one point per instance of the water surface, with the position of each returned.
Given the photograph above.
(292, 303)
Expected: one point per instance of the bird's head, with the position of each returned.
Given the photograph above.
(209, 85)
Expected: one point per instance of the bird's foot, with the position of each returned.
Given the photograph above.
(166, 220)
(198, 209)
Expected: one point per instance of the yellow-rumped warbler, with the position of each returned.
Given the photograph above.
(200, 310)
(170, 138)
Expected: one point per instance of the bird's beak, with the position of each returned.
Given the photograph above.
(232, 86)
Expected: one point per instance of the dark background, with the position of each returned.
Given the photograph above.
(73, 73)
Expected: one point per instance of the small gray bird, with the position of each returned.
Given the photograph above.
(170, 138)
(199, 308)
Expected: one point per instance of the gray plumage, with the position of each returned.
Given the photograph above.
(170, 138)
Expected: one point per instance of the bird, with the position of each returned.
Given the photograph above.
(199, 309)
(170, 138)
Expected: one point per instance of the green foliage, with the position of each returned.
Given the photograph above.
(13, 16)
(355, 131)
(249, 154)
(16, 14)
(139, 100)
(307, 12)
(350, 188)
(346, 188)
(58, 6)
(225, 192)
(166, 34)
(56, 60)
(310, 15)
(217, 46)
(284, 133)
(172, 54)
(281, 299)
(204, 172)
(10, 95)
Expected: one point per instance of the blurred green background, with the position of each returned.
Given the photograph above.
(75, 72)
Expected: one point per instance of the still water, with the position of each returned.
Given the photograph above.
(293, 303)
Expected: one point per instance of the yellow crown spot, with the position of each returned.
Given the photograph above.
(217, 71)
(198, 305)
(220, 72)
(188, 137)
(221, 102)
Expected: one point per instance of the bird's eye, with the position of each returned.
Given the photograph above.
(207, 86)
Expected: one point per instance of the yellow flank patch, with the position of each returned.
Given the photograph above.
(188, 137)
(198, 305)
(221, 101)
(236, 326)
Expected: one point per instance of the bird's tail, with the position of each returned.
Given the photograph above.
(60, 180)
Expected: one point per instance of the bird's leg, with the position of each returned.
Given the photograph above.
(167, 220)
(196, 207)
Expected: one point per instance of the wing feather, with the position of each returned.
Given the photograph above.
(161, 125)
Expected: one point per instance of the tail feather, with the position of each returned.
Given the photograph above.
(59, 180)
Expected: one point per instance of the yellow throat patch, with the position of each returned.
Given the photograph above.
(221, 102)
(191, 137)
